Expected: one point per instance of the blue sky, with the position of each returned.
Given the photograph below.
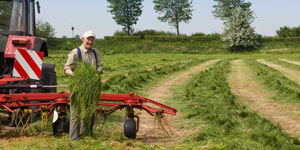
(94, 15)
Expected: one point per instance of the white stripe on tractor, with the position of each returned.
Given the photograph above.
(16, 73)
(26, 66)
(36, 58)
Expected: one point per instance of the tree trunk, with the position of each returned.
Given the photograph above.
(177, 27)
(128, 31)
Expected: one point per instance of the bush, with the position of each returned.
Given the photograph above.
(238, 32)
(288, 32)
(198, 34)
(63, 43)
(122, 38)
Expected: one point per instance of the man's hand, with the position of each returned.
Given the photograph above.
(69, 72)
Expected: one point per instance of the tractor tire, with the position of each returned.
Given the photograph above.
(48, 77)
(130, 128)
(61, 126)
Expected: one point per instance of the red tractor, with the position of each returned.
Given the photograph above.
(17, 31)
(34, 92)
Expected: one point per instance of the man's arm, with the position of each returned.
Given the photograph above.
(71, 62)
(99, 64)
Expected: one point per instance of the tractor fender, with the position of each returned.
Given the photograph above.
(48, 76)
(40, 44)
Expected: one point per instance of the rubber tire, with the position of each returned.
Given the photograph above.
(61, 126)
(130, 128)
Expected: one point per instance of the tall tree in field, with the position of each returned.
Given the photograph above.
(237, 17)
(238, 31)
(224, 8)
(126, 13)
(174, 11)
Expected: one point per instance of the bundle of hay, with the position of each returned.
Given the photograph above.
(85, 89)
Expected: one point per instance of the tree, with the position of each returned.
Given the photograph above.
(126, 13)
(224, 8)
(174, 11)
(77, 37)
(45, 30)
(238, 31)
(288, 32)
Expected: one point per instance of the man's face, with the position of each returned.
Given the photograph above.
(88, 42)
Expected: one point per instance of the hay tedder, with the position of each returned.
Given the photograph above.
(28, 87)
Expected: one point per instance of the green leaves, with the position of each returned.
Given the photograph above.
(224, 8)
(85, 88)
(238, 18)
(174, 11)
(126, 13)
(45, 30)
(238, 31)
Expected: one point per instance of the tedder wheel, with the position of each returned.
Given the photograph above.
(61, 126)
(130, 128)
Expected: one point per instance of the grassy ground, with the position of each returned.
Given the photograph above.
(208, 108)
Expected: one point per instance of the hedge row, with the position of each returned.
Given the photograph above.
(122, 38)
(189, 38)
(62, 43)
(282, 39)
(163, 38)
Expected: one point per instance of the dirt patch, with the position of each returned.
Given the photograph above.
(243, 84)
(291, 74)
(291, 61)
(151, 133)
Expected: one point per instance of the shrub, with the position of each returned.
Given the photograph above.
(122, 38)
(238, 31)
(288, 32)
(198, 34)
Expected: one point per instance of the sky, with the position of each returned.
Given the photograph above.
(93, 15)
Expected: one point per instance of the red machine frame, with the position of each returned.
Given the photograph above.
(51, 101)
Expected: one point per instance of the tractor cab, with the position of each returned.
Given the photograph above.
(17, 30)
(17, 17)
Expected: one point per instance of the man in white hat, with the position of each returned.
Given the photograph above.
(88, 54)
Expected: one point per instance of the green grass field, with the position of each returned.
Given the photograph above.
(211, 114)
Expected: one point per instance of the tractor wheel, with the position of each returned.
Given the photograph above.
(48, 77)
(130, 128)
(61, 126)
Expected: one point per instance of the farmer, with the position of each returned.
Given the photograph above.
(85, 53)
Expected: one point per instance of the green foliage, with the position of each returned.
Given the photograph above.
(85, 88)
(45, 30)
(77, 37)
(4, 14)
(198, 34)
(224, 8)
(63, 43)
(238, 31)
(123, 38)
(120, 33)
(144, 33)
(174, 11)
(227, 123)
(288, 32)
(126, 13)
(182, 38)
